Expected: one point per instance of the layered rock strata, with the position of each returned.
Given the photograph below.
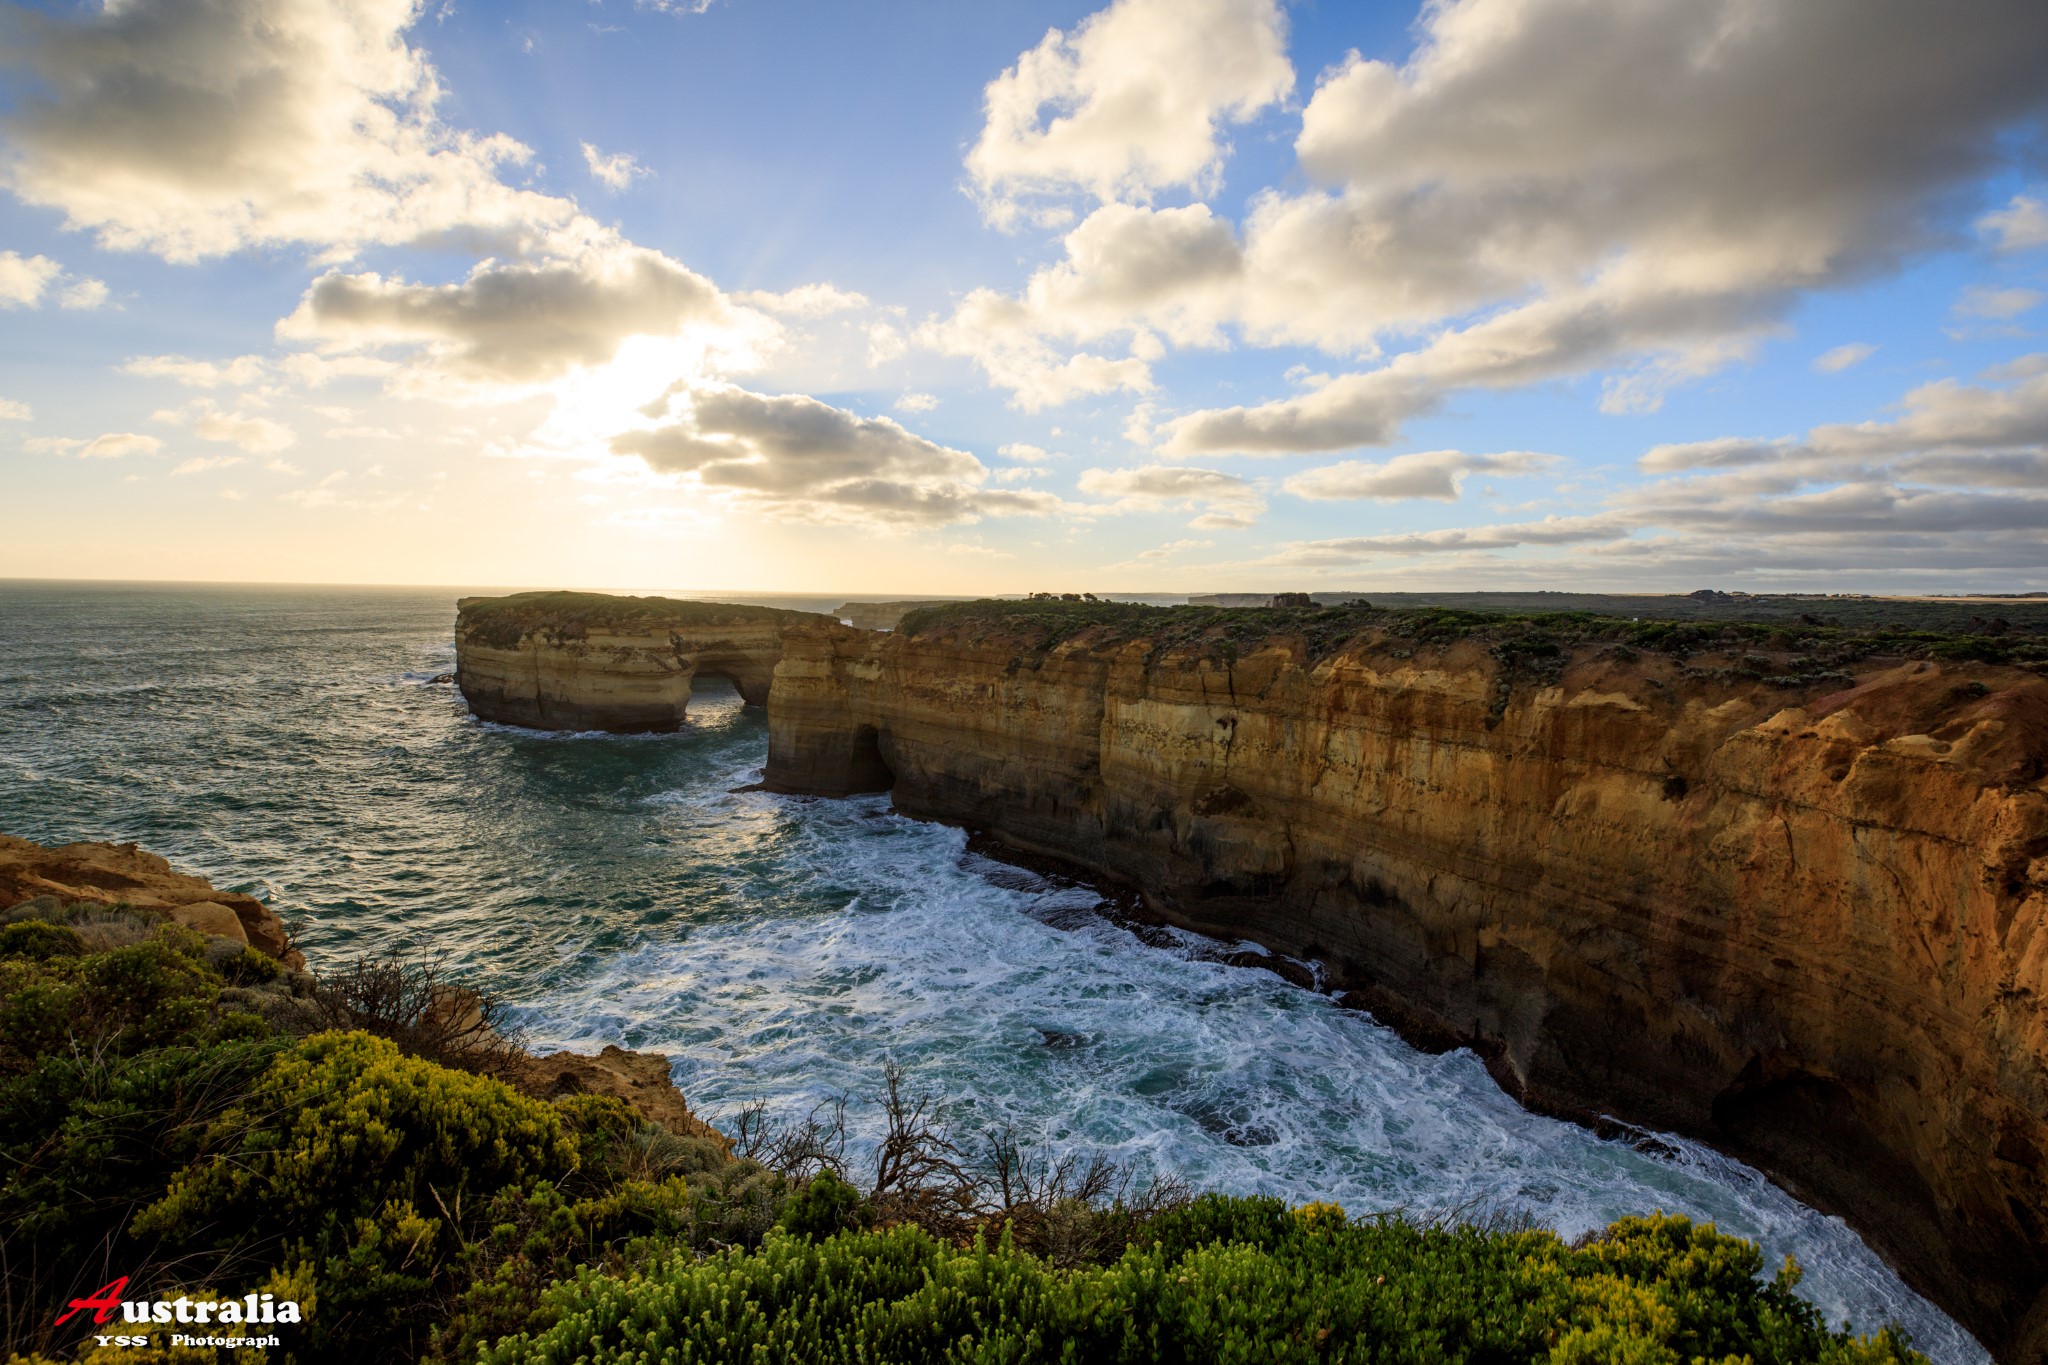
(122, 874)
(1801, 919)
(591, 661)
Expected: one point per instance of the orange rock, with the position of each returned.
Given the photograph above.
(641, 1079)
(1805, 926)
(122, 874)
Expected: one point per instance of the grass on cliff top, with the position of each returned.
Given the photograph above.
(1819, 648)
(500, 621)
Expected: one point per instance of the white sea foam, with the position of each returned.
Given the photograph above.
(779, 949)
(868, 937)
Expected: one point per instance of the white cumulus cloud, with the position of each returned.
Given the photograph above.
(514, 324)
(615, 170)
(2020, 225)
(1132, 101)
(795, 455)
(193, 128)
(24, 278)
(1223, 500)
(1433, 474)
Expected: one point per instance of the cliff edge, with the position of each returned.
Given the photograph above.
(593, 661)
(1778, 886)
(122, 874)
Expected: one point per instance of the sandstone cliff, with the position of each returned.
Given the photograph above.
(122, 874)
(591, 661)
(1784, 893)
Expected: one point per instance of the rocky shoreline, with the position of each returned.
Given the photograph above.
(37, 882)
(1776, 886)
(1786, 906)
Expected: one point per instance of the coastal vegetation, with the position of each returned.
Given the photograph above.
(1783, 652)
(499, 622)
(179, 1110)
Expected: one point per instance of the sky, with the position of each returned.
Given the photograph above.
(931, 298)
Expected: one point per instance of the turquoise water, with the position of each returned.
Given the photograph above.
(288, 742)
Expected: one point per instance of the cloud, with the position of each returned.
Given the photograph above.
(796, 455)
(1159, 554)
(1551, 187)
(2019, 225)
(1966, 433)
(318, 371)
(1004, 339)
(83, 294)
(805, 301)
(1954, 482)
(14, 410)
(1364, 549)
(617, 171)
(24, 278)
(1721, 453)
(916, 402)
(1129, 103)
(1982, 301)
(256, 435)
(200, 463)
(199, 374)
(1225, 500)
(517, 324)
(1437, 474)
(110, 445)
(194, 128)
(1844, 357)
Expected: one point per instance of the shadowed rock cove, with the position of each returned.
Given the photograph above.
(1781, 892)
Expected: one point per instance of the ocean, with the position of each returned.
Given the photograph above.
(290, 742)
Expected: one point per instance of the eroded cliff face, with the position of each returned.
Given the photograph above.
(1801, 921)
(587, 661)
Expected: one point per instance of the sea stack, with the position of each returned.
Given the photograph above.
(593, 661)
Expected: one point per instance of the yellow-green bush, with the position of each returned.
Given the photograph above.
(428, 1213)
(1273, 1286)
(158, 993)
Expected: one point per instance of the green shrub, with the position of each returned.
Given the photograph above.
(539, 1234)
(343, 1126)
(360, 1163)
(823, 1207)
(248, 968)
(88, 1137)
(158, 993)
(1227, 1280)
(39, 941)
